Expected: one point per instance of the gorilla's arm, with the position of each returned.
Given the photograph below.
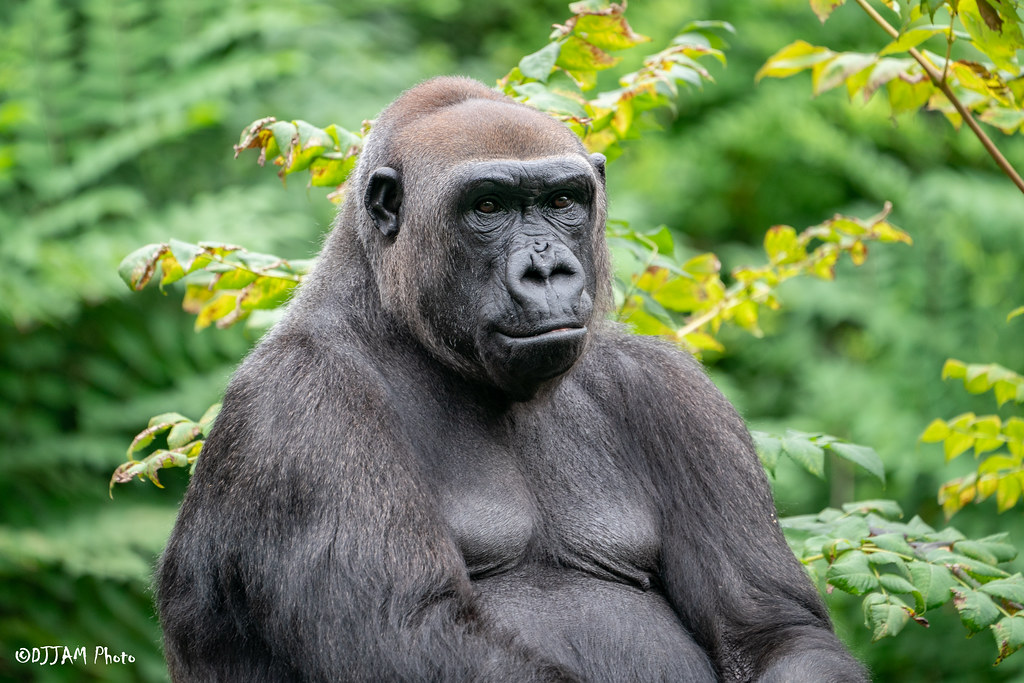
(725, 563)
(308, 531)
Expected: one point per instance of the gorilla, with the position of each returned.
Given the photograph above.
(446, 464)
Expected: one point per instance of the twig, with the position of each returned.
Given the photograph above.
(941, 84)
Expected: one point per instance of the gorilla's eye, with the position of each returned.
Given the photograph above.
(561, 201)
(486, 206)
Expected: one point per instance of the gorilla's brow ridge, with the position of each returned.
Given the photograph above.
(552, 172)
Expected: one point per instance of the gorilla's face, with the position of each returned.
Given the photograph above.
(488, 256)
(527, 230)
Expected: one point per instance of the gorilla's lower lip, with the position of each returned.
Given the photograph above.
(549, 334)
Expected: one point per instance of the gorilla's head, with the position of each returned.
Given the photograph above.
(483, 221)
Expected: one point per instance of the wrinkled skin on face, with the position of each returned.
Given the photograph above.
(521, 281)
(527, 229)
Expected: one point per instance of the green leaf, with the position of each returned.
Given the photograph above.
(1011, 589)
(885, 615)
(934, 581)
(539, 64)
(662, 239)
(852, 573)
(974, 567)
(996, 545)
(976, 550)
(1014, 313)
(167, 418)
(137, 268)
(893, 542)
(806, 454)
(187, 255)
(896, 584)
(883, 558)
(887, 508)
(283, 132)
(1009, 635)
(145, 437)
(863, 456)
(769, 448)
(183, 433)
(976, 609)
(209, 417)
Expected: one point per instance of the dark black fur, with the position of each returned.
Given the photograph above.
(443, 465)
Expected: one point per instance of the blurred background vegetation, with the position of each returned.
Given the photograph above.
(116, 124)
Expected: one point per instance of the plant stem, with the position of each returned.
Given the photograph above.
(941, 84)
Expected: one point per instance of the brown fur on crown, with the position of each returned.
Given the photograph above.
(455, 117)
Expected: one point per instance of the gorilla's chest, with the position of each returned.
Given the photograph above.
(548, 495)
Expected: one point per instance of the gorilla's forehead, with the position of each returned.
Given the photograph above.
(552, 171)
(487, 129)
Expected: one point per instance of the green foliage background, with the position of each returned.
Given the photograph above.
(116, 120)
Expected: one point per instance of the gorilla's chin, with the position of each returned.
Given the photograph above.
(520, 365)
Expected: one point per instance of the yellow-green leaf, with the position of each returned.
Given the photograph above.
(912, 38)
(956, 443)
(216, 309)
(823, 8)
(937, 431)
(782, 246)
(705, 264)
(577, 54)
(954, 369)
(703, 342)
(607, 31)
(793, 59)
(831, 73)
(1007, 492)
(906, 96)
(266, 292)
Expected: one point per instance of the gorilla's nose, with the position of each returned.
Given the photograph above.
(545, 277)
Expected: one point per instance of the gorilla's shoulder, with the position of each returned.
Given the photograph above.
(652, 374)
(615, 350)
(307, 368)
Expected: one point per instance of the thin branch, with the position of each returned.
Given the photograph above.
(941, 84)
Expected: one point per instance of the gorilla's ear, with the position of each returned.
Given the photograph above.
(598, 160)
(383, 199)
